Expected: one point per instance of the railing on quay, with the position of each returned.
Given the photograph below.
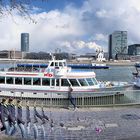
(104, 98)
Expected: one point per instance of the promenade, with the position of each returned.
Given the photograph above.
(119, 123)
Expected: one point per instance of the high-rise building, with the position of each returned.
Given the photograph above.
(25, 42)
(117, 44)
(134, 49)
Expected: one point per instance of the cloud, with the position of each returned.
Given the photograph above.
(76, 46)
(73, 29)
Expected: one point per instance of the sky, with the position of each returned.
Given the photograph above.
(74, 26)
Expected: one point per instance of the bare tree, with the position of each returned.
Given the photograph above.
(23, 8)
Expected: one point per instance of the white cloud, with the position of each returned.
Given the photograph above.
(78, 45)
(77, 30)
(102, 13)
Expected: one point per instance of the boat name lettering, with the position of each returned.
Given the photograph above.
(48, 74)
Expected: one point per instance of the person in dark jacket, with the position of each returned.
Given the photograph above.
(20, 122)
(70, 98)
(4, 113)
(12, 116)
(2, 128)
(37, 115)
(44, 115)
(28, 119)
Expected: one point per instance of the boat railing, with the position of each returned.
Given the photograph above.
(101, 98)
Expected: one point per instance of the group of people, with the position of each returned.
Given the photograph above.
(12, 120)
(11, 117)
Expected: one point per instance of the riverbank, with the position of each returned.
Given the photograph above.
(117, 62)
(110, 63)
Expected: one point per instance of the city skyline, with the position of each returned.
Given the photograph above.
(72, 26)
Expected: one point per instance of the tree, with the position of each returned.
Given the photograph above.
(22, 7)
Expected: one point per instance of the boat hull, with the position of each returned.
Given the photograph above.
(55, 93)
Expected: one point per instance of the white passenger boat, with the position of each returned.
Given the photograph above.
(51, 82)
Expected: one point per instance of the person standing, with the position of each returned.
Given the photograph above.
(35, 128)
(70, 98)
(12, 116)
(4, 113)
(20, 122)
(28, 119)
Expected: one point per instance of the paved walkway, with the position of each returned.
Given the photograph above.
(121, 123)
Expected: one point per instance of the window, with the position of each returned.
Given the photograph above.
(83, 82)
(90, 82)
(94, 81)
(52, 64)
(53, 82)
(18, 80)
(56, 64)
(27, 81)
(73, 82)
(36, 81)
(45, 82)
(57, 82)
(64, 63)
(60, 64)
(64, 82)
(2, 80)
(9, 80)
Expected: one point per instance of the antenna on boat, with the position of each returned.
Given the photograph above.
(52, 56)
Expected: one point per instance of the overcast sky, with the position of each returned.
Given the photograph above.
(76, 26)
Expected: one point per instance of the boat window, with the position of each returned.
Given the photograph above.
(52, 64)
(64, 82)
(9, 80)
(83, 82)
(36, 81)
(60, 64)
(2, 80)
(57, 82)
(53, 82)
(45, 82)
(56, 64)
(27, 81)
(90, 82)
(74, 82)
(94, 81)
(64, 63)
(18, 80)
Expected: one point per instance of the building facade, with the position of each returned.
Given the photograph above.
(134, 49)
(117, 44)
(24, 42)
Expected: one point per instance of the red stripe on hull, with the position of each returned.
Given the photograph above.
(21, 74)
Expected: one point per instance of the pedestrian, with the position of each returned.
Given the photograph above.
(12, 116)
(20, 122)
(4, 113)
(35, 128)
(28, 119)
(70, 98)
(44, 115)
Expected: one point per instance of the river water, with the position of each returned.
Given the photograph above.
(114, 73)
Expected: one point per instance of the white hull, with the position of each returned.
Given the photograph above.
(52, 92)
